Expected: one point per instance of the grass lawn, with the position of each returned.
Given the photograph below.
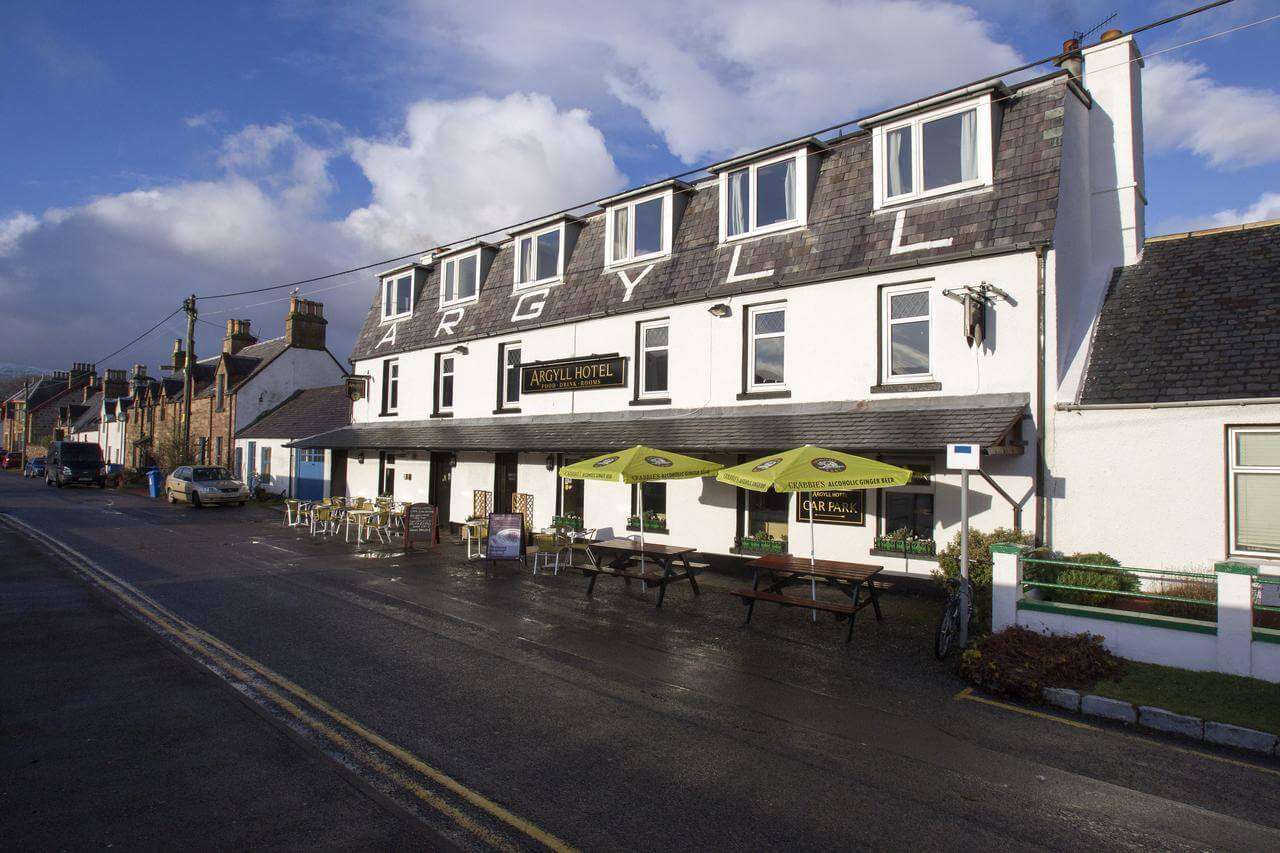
(1211, 695)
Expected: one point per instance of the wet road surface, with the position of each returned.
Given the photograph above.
(604, 724)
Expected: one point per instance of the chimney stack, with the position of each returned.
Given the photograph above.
(1071, 60)
(81, 373)
(179, 362)
(305, 324)
(139, 372)
(114, 384)
(238, 337)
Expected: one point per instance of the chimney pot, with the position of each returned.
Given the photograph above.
(1071, 60)
(1111, 35)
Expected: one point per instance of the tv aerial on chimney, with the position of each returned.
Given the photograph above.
(1081, 36)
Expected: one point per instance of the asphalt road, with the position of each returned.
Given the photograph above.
(511, 710)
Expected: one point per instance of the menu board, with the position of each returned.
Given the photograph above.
(506, 536)
(420, 525)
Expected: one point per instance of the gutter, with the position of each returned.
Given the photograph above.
(1041, 468)
(1168, 404)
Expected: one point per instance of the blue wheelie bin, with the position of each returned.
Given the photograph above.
(155, 481)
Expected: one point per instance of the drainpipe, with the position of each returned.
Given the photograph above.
(1041, 474)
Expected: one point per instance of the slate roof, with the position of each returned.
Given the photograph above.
(91, 417)
(882, 425)
(1198, 318)
(240, 367)
(842, 237)
(41, 391)
(303, 413)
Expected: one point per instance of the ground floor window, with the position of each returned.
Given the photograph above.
(265, 470)
(386, 475)
(217, 449)
(655, 506)
(910, 512)
(570, 509)
(1253, 468)
(764, 522)
(907, 512)
(240, 463)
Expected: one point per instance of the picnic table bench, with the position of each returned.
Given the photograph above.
(785, 570)
(623, 551)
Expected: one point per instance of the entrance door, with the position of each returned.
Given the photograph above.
(310, 475)
(505, 466)
(387, 475)
(441, 485)
(252, 455)
(338, 474)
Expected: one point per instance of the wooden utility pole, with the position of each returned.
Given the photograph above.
(188, 381)
(26, 419)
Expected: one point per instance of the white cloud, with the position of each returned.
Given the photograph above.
(460, 167)
(13, 229)
(1231, 127)
(714, 77)
(205, 119)
(1266, 207)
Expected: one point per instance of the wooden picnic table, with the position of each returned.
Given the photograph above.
(785, 570)
(623, 551)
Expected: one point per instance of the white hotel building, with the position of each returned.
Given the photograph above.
(934, 277)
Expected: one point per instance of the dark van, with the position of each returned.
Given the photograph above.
(70, 462)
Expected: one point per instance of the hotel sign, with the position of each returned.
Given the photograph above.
(579, 374)
(833, 507)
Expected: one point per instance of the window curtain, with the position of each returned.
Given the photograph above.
(620, 234)
(526, 260)
(969, 145)
(789, 184)
(898, 182)
(738, 201)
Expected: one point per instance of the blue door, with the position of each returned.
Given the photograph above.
(310, 475)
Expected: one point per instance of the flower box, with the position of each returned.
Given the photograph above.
(568, 522)
(655, 524)
(922, 547)
(748, 545)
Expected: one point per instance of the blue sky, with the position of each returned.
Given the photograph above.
(155, 149)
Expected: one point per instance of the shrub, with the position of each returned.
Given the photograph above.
(1069, 576)
(979, 564)
(1019, 663)
(1205, 590)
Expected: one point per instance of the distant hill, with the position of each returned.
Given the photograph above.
(12, 376)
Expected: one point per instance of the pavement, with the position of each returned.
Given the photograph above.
(506, 710)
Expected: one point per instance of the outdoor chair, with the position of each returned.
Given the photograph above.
(379, 523)
(578, 543)
(550, 547)
(324, 520)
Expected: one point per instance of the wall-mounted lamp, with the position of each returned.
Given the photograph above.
(459, 350)
(720, 309)
(551, 462)
(360, 457)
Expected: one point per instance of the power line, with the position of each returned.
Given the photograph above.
(704, 168)
(111, 355)
(694, 171)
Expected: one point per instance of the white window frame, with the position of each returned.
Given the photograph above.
(631, 203)
(453, 262)
(1232, 469)
(391, 376)
(886, 326)
(504, 350)
(880, 137)
(387, 283)
(641, 393)
(802, 197)
(752, 311)
(441, 373)
(532, 236)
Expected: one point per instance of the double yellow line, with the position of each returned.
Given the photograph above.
(354, 740)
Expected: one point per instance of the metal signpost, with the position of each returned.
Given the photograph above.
(964, 457)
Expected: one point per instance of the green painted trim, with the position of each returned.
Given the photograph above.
(1007, 548)
(1151, 620)
(1235, 568)
(1266, 635)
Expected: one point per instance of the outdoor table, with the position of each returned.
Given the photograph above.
(785, 570)
(358, 516)
(623, 551)
(471, 532)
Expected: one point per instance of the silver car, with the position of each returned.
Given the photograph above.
(201, 485)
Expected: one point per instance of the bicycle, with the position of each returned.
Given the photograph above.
(949, 624)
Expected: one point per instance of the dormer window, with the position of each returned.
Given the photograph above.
(640, 225)
(768, 194)
(397, 296)
(934, 153)
(460, 278)
(539, 257)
